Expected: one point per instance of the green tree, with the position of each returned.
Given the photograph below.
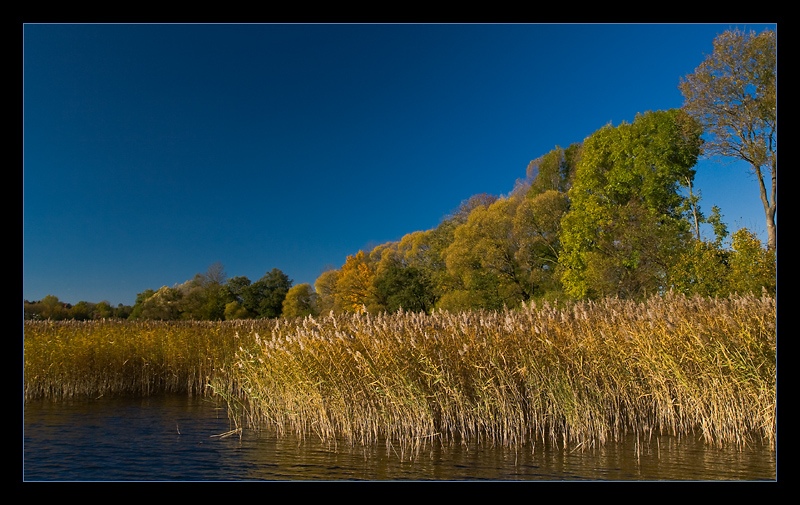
(554, 171)
(235, 288)
(626, 222)
(407, 287)
(233, 292)
(752, 266)
(425, 250)
(53, 308)
(733, 95)
(102, 310)
(709, 270)
(81, 311)
(234, 310)
(192, 299)
(702, 270)
(122, 311)
(300, 301)
(204, 297)
(264, 298)
(483, 256)
(537, 231)
(458, 300)
(163, 304)
(719, 227)
(508, 251)
(138, 305)
(214, 293)
(31, 310)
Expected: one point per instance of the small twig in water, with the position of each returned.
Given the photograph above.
(228, 433)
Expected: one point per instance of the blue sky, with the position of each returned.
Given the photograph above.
(151, 151)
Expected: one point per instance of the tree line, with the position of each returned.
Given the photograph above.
(613, 215)
(207, 296)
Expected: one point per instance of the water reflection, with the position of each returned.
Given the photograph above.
(175, 438)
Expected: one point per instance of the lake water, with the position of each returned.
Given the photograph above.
(176, 438)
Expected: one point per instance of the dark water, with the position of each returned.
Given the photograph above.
(174, 438)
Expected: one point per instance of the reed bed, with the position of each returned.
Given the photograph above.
(579, 375)
(87, 359)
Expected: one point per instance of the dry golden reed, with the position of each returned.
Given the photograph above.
(70, 359)
(580, 374)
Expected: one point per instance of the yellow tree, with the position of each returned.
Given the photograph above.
(300, 301)
(354, 285)
(325, 287)
(483, 256)
(752, 267)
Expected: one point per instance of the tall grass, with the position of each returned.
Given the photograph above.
(579, 375)
(70, 359)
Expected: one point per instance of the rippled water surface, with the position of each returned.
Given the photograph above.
(176, 438)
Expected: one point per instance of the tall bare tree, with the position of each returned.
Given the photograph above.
(733, 95)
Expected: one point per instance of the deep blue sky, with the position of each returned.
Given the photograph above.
(152, 151)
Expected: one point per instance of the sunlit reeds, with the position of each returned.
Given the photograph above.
(70, 359)
(579, 375)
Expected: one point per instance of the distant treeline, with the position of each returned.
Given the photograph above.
(207, 296)
(613, 216)
(50, 307)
